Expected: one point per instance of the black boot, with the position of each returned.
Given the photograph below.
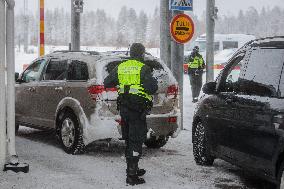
(141, 172)
(134, 180)
(132, 176)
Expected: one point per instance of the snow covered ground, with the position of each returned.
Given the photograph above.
(103, 166)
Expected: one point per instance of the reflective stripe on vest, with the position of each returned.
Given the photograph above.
(129, 74)
(197, 63)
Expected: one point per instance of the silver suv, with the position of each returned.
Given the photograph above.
(64, 91)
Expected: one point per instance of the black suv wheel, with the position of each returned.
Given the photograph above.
(200, 148)
(70, 134)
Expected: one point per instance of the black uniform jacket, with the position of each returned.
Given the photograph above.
(134, 102)
(190, 58)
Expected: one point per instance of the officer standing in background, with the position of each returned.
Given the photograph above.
(195, 70)
(135, 87)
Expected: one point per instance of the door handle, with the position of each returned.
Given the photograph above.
(31, 89)
(58, 88)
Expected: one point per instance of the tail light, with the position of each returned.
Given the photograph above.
(120, 122)
(278, 121)
(172, 91)
(172, 119)
(96, 90)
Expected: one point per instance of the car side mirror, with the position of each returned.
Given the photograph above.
(209, 88)
(16, 76)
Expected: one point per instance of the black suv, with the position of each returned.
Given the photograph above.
(240, 119)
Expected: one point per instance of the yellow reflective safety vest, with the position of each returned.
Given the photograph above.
(129, 77)
(196, 63)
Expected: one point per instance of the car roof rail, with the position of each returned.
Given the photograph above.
(67, 51)
(265, 42)
(126, 52)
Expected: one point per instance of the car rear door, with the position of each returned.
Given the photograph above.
(77, 85)
(51, 91)
(252, 133)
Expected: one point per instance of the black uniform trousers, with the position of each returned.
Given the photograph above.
(195, 77)
(134, 131)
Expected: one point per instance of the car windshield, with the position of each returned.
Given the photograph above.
(224, 55)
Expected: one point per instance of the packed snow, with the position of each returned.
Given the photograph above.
(103, 165)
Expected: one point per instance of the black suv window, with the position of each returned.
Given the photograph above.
(33, 72)
(230, 76)
(261, 75)
(78, 71)
(56, 70)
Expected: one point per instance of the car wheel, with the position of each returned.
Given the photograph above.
(201, 151)
(154, 142)
(70, 134)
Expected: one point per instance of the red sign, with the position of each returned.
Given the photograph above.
(182, 28)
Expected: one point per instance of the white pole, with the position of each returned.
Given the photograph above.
(10, 54)
(165, 36)
(75, 28)
(177, 60)
(210, 26)
(2, 87)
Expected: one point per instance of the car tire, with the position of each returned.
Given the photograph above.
(201, 150)
(154, 142)
(280, 177)
(70, 134)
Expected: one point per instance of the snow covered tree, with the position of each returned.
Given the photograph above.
(141, 28)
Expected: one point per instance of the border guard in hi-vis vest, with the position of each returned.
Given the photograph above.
(195, 70)
(135, 87)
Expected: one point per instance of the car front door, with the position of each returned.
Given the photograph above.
(27, 93)
(220, 114)
(252, 134)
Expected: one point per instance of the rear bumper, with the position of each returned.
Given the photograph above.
(163, 126)
(103, 124)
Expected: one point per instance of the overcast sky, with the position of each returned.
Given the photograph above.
(112, 7)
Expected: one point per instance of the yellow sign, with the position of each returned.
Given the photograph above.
(182, 28)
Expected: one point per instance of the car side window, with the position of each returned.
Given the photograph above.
(262, 74)
(56, 70)
(230, 75)
(33, 72)
(77, 71)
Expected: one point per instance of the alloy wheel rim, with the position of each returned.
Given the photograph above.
(68, 132)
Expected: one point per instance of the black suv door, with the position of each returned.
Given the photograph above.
(219, 109)
(247, 100)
